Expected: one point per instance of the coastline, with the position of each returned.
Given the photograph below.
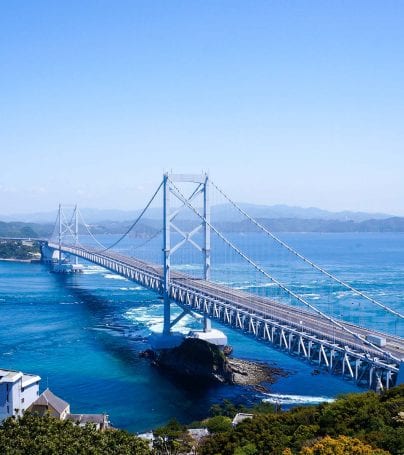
(19, 260)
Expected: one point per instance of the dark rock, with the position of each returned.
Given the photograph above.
(203, 361)
(198, 359)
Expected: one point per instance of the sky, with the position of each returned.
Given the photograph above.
(282, 102)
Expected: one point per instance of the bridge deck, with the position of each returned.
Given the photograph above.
(306, 321)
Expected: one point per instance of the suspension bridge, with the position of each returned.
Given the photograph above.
(286, 319)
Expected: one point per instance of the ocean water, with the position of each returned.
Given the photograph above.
(83, 333)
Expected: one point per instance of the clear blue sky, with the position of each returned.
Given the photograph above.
(296, 102)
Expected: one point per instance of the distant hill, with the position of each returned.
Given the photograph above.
(222, 212)
(393, 224)
(149, 227)
(20, 229)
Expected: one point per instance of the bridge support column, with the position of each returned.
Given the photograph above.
(169, 187)
(206, 247)
(167, 257)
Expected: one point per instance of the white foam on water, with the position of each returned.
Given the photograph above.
(154, 322)
(277, 398)
(111, 276)
(313, 296)
(344, 294)
(133, 288)
(255, 286)
(187, 267)
(92, 270)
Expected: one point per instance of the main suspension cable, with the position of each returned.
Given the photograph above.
(137, 219)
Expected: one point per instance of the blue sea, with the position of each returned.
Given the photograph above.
(83, 333)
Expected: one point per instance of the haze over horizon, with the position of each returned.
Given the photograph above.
(283, 103)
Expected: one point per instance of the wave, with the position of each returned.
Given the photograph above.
(312, 296)
(255, 286)
(111, 276)
(154, 322)
(276, 398)
(92, 270)
(133, 288)
(187, 267)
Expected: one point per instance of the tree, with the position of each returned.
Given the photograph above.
(172, 438)
(343, 445)
(218, 424)
(32, 434)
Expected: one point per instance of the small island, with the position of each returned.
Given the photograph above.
(203, 361)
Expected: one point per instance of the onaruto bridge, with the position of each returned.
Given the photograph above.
(283, 317)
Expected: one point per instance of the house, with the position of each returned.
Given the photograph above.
(48, 402)
(17, 392)
(100, 421)
(239, 417)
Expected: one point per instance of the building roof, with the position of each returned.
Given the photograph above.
(88, 418)
(49, 398)
(29, 379)
(240, 417)
(13, 376)
(10, 375)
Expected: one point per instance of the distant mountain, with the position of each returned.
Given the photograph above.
(220, 213)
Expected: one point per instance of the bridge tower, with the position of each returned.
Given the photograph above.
(67, 228)
(201, 182)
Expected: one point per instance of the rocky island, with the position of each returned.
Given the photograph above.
(203, 361)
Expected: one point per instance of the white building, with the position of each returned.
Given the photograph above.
(17, 392)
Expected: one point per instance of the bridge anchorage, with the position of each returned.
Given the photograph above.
(289, 321)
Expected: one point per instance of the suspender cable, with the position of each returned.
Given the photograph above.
(278, 283)
(307, 261)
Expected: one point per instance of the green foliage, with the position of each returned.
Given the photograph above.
(262, 408)
(172, 438)
(32, 434)
(226, 408)
(229, 409)
(248, 449)
(218, 424)
(371, 418)
(343, 445)
(17, 250)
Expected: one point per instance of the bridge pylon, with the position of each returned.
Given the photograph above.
(201, 182)
(67, 227)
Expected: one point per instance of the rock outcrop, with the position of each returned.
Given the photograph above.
(203, 361)
(198, 359)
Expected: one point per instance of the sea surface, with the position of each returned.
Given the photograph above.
(83, 333)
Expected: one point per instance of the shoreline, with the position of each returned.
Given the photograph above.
(29, 261)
